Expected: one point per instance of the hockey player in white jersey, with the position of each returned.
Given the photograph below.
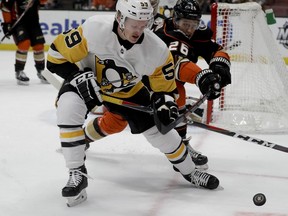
(110, 58)
(200, 160)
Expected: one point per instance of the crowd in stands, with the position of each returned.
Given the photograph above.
(102, 5)
(206, 4)
(109, 5)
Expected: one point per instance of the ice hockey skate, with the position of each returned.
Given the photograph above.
(74, 191)
(202, 179)
(200, 160)
(21, 78)
(41, 77)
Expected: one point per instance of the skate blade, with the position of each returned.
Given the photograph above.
(59, 150)
(219, 188)
(25, 83)
(44, 81)
(202, 167)
(76, 200)
(198, 167)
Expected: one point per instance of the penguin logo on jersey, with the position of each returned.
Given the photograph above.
(115, 77)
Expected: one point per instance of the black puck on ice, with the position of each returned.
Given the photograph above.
(259, 199)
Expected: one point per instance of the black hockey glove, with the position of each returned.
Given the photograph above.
(207, 81)
(221, 66)
(6, 29)
(167, 109)
(85, 83)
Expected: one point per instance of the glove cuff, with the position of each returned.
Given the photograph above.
(79, 77)
(221, 60)
(201, 74)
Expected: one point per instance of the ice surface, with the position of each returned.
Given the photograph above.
(131, 178)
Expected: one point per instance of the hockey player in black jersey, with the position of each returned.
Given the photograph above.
(188, 39)
(27, 33)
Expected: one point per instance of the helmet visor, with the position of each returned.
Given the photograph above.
(187, 25)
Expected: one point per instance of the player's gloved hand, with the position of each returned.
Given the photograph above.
(85, 83)
(6, 29)
(221, 66)
(167, 109)
(207, 81)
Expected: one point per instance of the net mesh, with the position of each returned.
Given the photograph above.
(257, 99)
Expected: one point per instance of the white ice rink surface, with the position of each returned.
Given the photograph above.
(131, 178)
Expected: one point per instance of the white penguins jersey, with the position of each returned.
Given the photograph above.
(118, 70)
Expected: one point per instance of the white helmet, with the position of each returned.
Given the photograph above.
(134, 9)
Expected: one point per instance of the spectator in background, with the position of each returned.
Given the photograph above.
(205, 5)
(104, 4)
(51, 4)
(261, 2)
(26, 33)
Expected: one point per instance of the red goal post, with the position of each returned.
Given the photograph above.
(257, 99)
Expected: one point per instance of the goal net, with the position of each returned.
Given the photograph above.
(257, 99)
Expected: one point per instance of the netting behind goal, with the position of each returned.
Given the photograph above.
(257, 99)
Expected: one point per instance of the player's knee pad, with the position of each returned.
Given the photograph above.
(24, 45)
(111, 123)
(165, 143)
(38, 48)
(108, 124)
(71, 110)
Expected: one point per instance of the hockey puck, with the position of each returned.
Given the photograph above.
(259, 199)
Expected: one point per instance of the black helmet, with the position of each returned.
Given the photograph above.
(188, 9)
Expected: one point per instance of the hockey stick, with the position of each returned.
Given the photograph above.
(57, 84)
(166, 128)
(161, 127)
(127, 104)
(52, 79)
(29, 5)
(240, 136)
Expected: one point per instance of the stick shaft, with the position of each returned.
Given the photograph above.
(247, 138)
(57, 84)
(161, 127)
